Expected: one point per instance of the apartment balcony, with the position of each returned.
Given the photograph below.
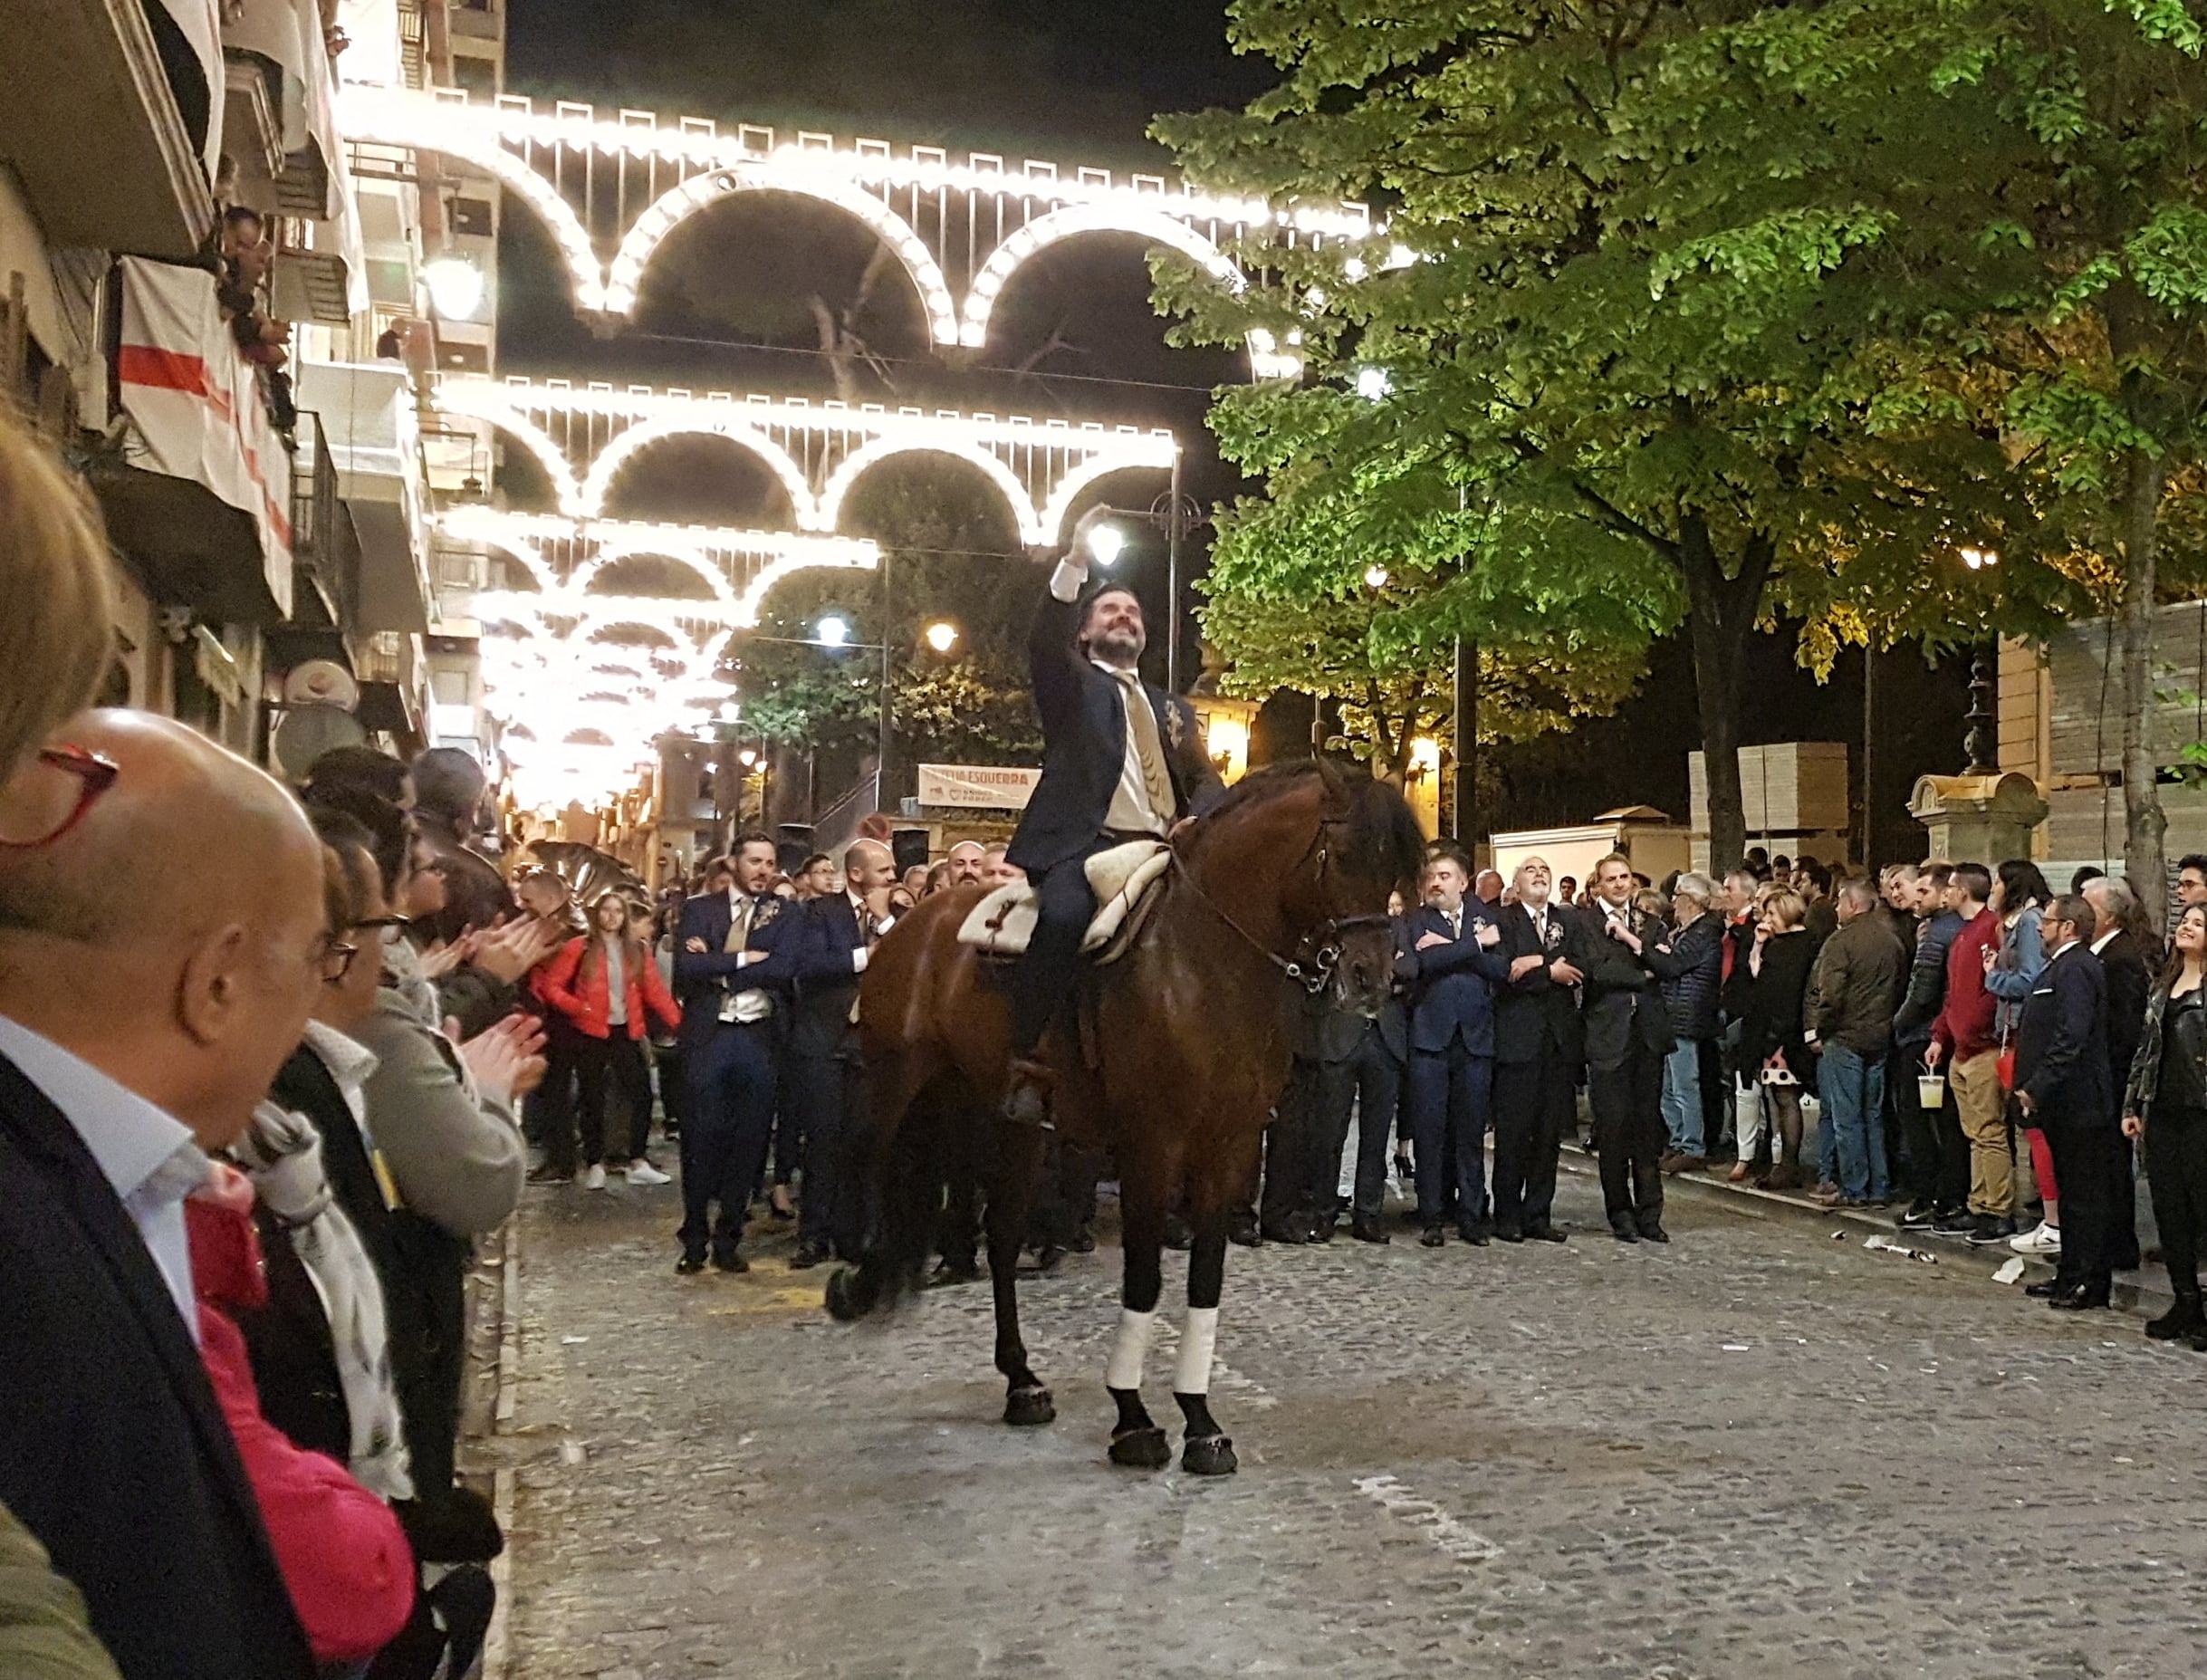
(106, 107)
(367, 419)
(281, 130)
(199, 498)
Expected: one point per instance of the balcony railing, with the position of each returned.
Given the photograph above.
(322, 544)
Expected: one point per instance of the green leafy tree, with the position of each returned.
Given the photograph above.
(1393, 688)
(1626, 386)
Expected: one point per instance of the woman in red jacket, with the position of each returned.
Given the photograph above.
(603, 984)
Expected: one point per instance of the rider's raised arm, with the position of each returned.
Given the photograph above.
(1053, 662)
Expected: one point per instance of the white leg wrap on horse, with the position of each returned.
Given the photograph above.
(1198, 1340)
(1128, 1352)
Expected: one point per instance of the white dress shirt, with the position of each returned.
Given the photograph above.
(868, 929)
(148, 1155)
(753, 1004)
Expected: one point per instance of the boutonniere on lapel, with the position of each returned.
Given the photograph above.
(1176, 726)
(767, 912)
(1555, 934)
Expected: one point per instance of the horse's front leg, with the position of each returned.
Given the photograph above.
(1205, 1450)
(1026, 1400)
(1136, 1441)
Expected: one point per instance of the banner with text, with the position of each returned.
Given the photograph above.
(978, 787)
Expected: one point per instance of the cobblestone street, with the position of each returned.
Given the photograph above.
(1756, 1452)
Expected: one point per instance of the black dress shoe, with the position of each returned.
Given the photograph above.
(1654, 1233)
(807, 1256)
(2045, 1290)
(1433, 1236)
(1544, 1234)
(1242, 1231)
(1624, 1233)
(1508, 1233)
(1368, 1231)
(1284, 1231)
(1178, 1236)
(2080, 1298)
(1475, 1236)
(729, 1259)
(552, 1175)
(950, 1272)
(689, 1265)
(1083, 1243)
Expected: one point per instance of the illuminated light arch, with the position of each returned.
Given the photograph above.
(524, 553)
(689, 559)
(1023, 516)
(753, 597)
(430, 129)
(1072, 220)
(566, 493)
(1061, 499)
(630, 615)
(599, 485)
(785, 174)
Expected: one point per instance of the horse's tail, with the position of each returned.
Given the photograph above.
(904, 1162)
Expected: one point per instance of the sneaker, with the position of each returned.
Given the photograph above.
(1987, 1231)
(2044, 1239)
(1954, 1225)
(595, 1178)
(645, 1173)
(551, 1175)
(1918, 1218)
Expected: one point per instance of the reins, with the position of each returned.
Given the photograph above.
(1315, 978)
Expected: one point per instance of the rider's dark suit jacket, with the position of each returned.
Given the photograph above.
(1452, 991)
(1623, 993)
(1084, 736)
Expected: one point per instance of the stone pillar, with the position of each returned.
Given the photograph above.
(1977, 819)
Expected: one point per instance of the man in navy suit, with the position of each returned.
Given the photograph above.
(2064, 1086)
(1122, 760)
(733, 952)
(1453, 966)
(160, 951)
(824, 1067)
(1537, 1054)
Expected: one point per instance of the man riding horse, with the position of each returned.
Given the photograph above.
(1122, 760)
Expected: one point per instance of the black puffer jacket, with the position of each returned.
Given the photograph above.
(1692, 996)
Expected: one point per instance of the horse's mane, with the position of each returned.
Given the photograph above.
(1383, 835)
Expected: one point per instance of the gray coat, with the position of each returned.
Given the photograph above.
(455, 1155)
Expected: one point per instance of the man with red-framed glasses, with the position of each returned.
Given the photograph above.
(163, 935)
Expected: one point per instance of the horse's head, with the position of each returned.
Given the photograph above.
(1342, 845)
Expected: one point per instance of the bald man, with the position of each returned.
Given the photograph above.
(824, 1063)
(163, 937)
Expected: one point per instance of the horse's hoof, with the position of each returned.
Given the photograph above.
(1026, 1408)
(1141, 1449)
(1208, 1455)
(842, 1301)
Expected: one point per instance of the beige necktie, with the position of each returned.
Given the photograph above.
(739, 924)
(1148, 749)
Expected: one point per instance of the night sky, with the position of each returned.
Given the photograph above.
(1079, 83)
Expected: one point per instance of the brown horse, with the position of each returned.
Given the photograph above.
(1179, 1052)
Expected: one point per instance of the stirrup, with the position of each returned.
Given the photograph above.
(1027, 1103)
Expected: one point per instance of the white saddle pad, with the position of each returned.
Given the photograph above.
(1002, 923)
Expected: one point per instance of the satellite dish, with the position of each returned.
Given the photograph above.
(321, 682)
(304, 733)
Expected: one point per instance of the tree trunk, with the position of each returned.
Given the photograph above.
(1720, 613)
(2143, 822)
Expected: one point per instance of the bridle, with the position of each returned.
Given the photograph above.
(1318, 955)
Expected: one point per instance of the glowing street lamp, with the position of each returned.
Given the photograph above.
(1106, 545)
(1375, 577)
(942, 636)
(1978, 559)
(1373, 384)
(832, 631)
(455, 287)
